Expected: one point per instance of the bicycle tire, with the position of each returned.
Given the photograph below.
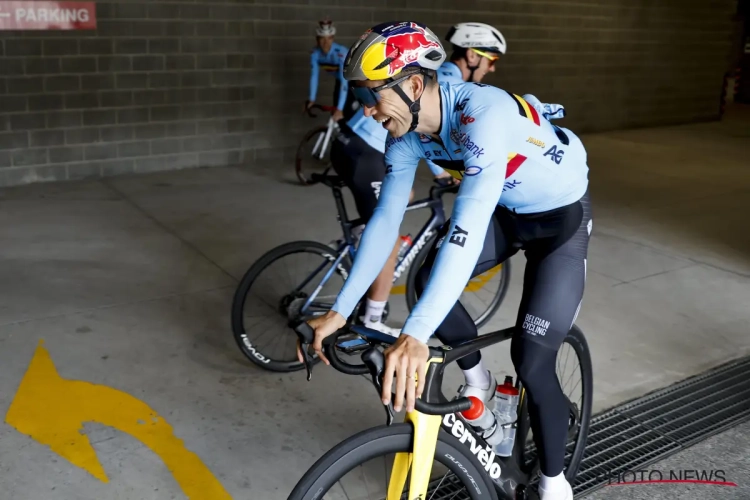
(378, 441)
(482, 319)
(303, 176)
(238, 302)
(577, 341)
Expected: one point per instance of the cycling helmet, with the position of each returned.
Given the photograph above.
(478, 36)
(385, 50)
(325, 28)
(392, 52)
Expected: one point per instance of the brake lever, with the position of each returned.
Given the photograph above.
(375, 362)
(306, 335)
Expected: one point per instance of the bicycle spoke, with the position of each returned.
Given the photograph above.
(438, 487)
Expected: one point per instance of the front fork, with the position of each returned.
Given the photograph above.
(419, 460)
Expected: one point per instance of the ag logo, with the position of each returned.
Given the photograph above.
(466, 119)
(455, 137)
(555, 154)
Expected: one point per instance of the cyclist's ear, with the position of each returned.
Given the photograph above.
(416, 85)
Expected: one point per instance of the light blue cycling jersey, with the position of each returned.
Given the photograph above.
(332, 63)
(505, 154)
(450, 72)
(375, 135)
(368, 129)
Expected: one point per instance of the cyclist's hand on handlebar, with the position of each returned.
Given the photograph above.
(324, 326)
(337, 115)
(406, 358)
(308, 105)
(447, 179)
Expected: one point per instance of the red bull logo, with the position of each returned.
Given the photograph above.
(405, 47)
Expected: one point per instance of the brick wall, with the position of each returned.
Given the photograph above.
(167, 84)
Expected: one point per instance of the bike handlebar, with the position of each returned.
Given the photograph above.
(375, 362)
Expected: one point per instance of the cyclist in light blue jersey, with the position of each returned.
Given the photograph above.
(357, 156)
(329, 56)
(476, 50)
(524, 187)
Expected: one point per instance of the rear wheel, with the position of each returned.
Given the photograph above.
(274, 292)
(481, 297)
(360, 468)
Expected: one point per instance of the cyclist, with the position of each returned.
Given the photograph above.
(357, 152)
(476, 47)
(329, 56)
(524, 186)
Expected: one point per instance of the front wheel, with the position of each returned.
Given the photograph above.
(481, 297)
(277, 289)
(361, 466)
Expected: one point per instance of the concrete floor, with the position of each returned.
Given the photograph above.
(128, 283)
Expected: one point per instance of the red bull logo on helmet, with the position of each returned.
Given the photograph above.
(403, 45)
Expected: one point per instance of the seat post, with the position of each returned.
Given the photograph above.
(342, 215)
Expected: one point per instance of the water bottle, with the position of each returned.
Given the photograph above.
(506, 405)
(484, 421)
(479, 416)
(405, 244)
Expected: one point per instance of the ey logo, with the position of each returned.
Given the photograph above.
(555, 154)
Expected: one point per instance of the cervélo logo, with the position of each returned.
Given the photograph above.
(485, 454)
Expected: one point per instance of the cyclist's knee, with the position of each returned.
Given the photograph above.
(534, 362)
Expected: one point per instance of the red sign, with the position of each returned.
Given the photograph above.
(25, 15)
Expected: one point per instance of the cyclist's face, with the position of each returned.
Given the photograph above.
(390, 110)
(325, 42)
(486, 64)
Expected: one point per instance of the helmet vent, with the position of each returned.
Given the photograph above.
(433, 55)
(386, 62)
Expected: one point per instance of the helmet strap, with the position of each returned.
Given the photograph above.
(471, 69)
(414, 106)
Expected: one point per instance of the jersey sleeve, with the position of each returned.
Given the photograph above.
(382, 229)
(344, 86)
(486, 141)
(434, 168)
(314, 69)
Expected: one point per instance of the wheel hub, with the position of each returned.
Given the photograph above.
(290, 305)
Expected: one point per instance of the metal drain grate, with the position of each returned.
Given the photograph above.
(652, 427)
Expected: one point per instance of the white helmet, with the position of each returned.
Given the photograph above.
(478, 36)
(325, 28)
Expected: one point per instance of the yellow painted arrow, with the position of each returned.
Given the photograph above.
(52, 411)
(476, 283)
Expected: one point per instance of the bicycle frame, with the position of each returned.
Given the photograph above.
(332, 125)
(504, 472)
(436, 220)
